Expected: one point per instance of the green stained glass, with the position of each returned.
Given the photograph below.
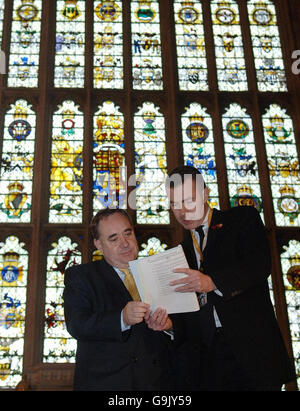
(242, 171)
(150, 166)
(66, 165)
(290, 263)
(283, 165)
(13, 282)
(151, 247)
(146, 46)
(108, 44)
(16, 164)
(231, 69)
(198, 146)
(109, 158)
(190, 45)
(70, 44)
(267, 52)
(59, 346)
(23, 68)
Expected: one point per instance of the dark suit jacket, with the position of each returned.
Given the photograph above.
(107, 358)
(237, 259)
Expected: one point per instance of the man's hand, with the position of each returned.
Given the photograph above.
(134, 312)
(194, 281)
(159, 320)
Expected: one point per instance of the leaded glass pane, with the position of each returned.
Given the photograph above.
(290, 263)
(66, 165)
(59, 346)
(231, 69)
(25, 44)
(242, 171)
(146, 45)
(16, 164)
(283, 165)
(108, 44)
(109, 172)
(267, 52)
(150, 166)
(13, 282)
(2, 6)
(198, 146)
(190, 43)
(151, 247)
(70, 44)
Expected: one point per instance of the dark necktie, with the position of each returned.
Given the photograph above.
(201, 235)
(207, 321)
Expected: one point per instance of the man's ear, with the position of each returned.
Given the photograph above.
(97, 244)
(206, 194)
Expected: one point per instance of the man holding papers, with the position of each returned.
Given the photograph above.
(233, 342)
(116, 349)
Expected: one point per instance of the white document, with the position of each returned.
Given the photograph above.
(153, 276)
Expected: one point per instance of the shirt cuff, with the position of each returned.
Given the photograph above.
(123, 326)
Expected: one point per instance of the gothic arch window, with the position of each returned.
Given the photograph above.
(99, 100)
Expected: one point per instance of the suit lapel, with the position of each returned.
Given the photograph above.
(212, 232)
(113, 280)
(190, 252)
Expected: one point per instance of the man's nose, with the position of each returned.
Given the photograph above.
(124, 241)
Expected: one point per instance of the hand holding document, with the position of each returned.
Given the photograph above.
(153, 276)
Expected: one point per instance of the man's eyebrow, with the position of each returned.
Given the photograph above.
(112, 236)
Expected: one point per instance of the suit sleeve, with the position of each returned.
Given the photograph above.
(251, 263)
(84, 321)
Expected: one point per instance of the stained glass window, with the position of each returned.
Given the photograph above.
(70, 43)
(146, 45)
(198, 146)
(242, 171)
(231, 69)
(16, 164)
(283, 165)
(108, 44)
(2, 5)
(190, 42)
(25, 43)
(109, 158)
(59, 346)
(150, 166)
(151, 247)
(66, 165)
(290, 262)
(267, 52)
(13, 281)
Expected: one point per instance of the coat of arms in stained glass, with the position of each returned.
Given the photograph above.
(242, 170)
(59, 346)
(283, 165)
(266, 46)
(16, 164)
(190, 45)
(69, 44)
(13, 281)
(231, 69)
(25, 44)
(109, 158)
(108, 44)
(66, 165)
(150, 165)
(198, 146)
(146, 45)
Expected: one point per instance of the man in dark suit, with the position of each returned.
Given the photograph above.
(234, 338)
(116, 348)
